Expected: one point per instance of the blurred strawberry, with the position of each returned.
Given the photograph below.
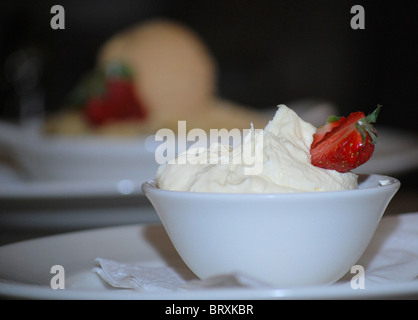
(108, 95)
(118, 102)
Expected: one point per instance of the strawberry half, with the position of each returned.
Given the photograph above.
(331, 124)
(107, 95)
(118, 102)
(345, 143)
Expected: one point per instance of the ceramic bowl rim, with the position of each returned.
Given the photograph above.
(150, 186)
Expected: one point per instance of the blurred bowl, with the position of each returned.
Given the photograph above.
(286, 240)
(78, 158)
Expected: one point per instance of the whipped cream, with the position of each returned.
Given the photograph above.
(280, 162)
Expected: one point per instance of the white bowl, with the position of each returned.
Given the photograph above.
(286, 240)
(78, 158)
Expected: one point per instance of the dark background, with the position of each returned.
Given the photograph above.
(268, 52)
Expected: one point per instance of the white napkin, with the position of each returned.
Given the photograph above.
(133, 276)
(163, 279)
(392, 256)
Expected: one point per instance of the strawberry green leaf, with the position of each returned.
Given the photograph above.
(371, 118)
(117, 69)
(93, 84)
(333, 119)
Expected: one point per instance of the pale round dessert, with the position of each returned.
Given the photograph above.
(174, 76)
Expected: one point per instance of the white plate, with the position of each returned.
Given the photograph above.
(17, 188)
(25, 271)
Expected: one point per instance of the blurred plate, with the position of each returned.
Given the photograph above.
(48, 158)
(396, 153)
(25, 270)
(78, 167)
(15, 187)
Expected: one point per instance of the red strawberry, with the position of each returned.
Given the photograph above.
(96, 111)
(108, 95)
(118, 102)
(347, 144)
(332, 122)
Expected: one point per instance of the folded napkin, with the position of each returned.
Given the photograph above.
(392, 256)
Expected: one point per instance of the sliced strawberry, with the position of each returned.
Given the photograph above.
(332, 122)
(346, 146)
